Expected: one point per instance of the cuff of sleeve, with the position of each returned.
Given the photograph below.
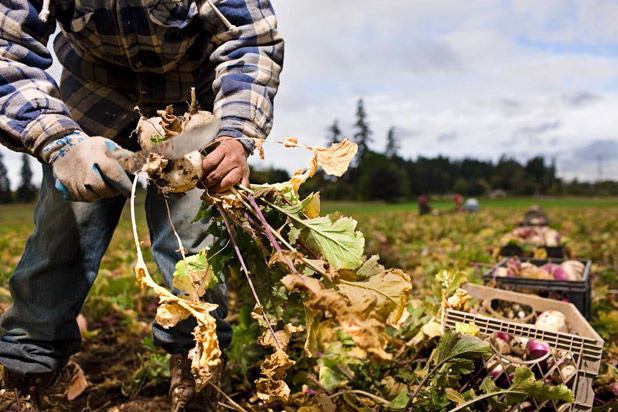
(41, 134)
(242, 130)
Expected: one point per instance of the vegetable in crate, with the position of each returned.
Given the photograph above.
(572, 270)
(532, 236)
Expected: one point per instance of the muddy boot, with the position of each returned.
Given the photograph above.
(24, 393)
(182, 388)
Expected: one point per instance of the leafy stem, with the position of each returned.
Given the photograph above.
(486, 396)
(246, 271)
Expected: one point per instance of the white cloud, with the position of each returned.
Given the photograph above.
(520, 78)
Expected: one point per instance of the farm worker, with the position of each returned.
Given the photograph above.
(117, 55)
(423, 205)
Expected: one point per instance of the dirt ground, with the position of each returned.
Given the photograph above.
(109, 360)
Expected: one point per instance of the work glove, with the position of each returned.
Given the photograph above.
(86, 168)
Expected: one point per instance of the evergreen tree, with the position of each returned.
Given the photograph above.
(334, 133)
(392, 144)
(5, 184)
(362, 137)
(26, 192)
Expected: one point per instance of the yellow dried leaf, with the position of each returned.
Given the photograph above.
(259, 146)
(336, 159)
(290, 141)
(359, 320)
(283, 336)
(431, 329)
(313, 208)
(206, 355)
(285, 256)
(271, 387)
(459, 301)
(169, 314)
(390, 289)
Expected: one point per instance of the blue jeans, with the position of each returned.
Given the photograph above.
(60, 263)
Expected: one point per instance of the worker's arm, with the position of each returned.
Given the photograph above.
(248, 58)
(31, 114)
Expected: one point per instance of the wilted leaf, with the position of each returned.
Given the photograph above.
(271, 387)
(283, 336)
(432, 329)
(336, 159)
(400, 401)
(357, 319)
(454, 396)
(78, 383)
(467, 328)
(206, 355)
(195, 279)
(169, 314)
(390, 290)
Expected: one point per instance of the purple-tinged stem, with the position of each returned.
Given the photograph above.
(307, 249)
(269, 234)
(244, 268)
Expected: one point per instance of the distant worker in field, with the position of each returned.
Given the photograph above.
(458, 201)
(471, 205)
(423, 205)
(118, 55)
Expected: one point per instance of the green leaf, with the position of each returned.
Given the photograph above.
(525, 381)
(454, 396)
(400, 401)
(339, 243)
(335, 236)
(199, 265)
(453, 346)
(369, 268)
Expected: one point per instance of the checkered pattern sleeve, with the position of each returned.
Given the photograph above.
(247, 69)
(31, 114)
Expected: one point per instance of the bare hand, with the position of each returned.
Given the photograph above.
(225, 166)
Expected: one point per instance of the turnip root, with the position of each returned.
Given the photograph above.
(555, 271)
(172, 175)
(536, 349)
(552, 320)
(503, 272)
(500, 342)
(573, 269)
(518, 346)
(552, 237)
(564, 373)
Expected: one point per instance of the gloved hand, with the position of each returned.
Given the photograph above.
(86, 168)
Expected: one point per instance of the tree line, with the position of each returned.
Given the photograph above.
(386, 175)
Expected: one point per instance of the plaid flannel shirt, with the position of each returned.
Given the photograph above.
(118, 54)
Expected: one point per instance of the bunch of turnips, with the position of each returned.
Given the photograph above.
(572, 270)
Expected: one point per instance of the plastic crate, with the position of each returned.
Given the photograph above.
(584, 345)
(576, 292)
(556, 252)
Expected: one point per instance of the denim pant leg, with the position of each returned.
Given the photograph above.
(53, 277)
(164, 250)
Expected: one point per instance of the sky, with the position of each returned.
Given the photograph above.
(476, 79)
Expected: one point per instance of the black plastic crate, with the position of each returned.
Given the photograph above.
(555, 252)
(575, 291)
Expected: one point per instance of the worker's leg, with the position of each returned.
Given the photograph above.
(51, 281)
(165, 251)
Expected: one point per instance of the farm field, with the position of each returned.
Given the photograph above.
(124, 372)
